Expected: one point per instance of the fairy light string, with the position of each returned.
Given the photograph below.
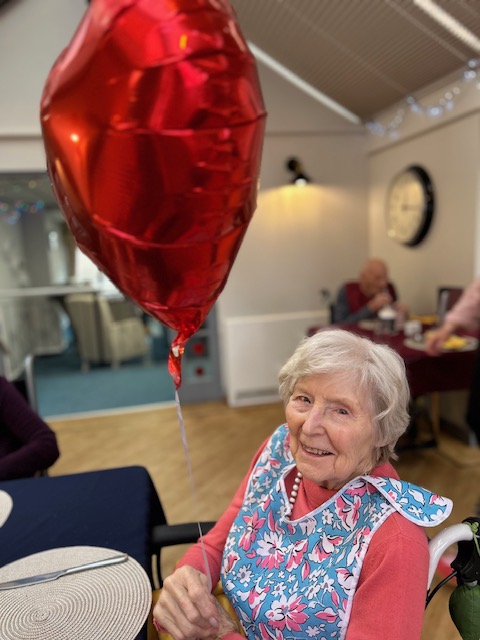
(433, 109)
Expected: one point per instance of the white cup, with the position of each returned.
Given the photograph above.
(412, 329)
(386, 321)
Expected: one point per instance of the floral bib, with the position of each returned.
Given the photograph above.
(296, 578)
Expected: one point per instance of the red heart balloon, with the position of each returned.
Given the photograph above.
(153, 123)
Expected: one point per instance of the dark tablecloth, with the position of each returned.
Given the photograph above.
(114, 508)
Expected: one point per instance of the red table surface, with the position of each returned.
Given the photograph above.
(450, 371)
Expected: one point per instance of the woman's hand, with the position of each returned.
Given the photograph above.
(187, 609)
(435, 339)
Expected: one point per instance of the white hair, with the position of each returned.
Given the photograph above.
(376, 369)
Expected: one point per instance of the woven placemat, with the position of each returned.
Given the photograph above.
(108, 603)
(6, 504)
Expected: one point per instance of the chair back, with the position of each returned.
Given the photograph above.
(107, 331)
(447, 298)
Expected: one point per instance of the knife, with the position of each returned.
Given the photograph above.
(47, 577)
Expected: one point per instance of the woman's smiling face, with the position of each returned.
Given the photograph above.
(331, 430)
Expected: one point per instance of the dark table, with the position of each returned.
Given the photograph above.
(114, 508)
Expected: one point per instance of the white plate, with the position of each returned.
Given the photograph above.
(6, 505)
(470, 345)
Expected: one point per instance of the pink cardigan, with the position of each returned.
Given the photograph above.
(390, 598)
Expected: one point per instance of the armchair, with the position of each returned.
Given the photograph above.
(103, 337)
(122, 337)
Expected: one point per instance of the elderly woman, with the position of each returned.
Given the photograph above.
(322, 539)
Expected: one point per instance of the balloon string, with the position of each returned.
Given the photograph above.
(192, 487)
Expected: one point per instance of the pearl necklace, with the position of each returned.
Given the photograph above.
(294, 491)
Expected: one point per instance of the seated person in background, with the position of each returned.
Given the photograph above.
(27, 444)
(322, 537)
(362, 300)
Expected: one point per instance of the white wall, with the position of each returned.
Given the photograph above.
(301, 239)
(32, 35)
(448, 148)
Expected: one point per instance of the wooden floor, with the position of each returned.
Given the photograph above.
(220, 443)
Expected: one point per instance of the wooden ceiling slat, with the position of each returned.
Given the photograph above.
(365, 54)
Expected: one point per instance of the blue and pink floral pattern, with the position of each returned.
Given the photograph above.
(290, 579)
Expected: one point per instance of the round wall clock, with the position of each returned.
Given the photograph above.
(410, 206)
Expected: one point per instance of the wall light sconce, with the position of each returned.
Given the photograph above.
(300, 178)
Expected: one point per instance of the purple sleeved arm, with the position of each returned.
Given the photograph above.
(27, 444)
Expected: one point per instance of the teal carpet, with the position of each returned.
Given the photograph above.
(63, 389)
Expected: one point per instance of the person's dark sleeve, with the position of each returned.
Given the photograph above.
(37, 444)
(342, 313)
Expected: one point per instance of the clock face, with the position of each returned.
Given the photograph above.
(410, 206)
